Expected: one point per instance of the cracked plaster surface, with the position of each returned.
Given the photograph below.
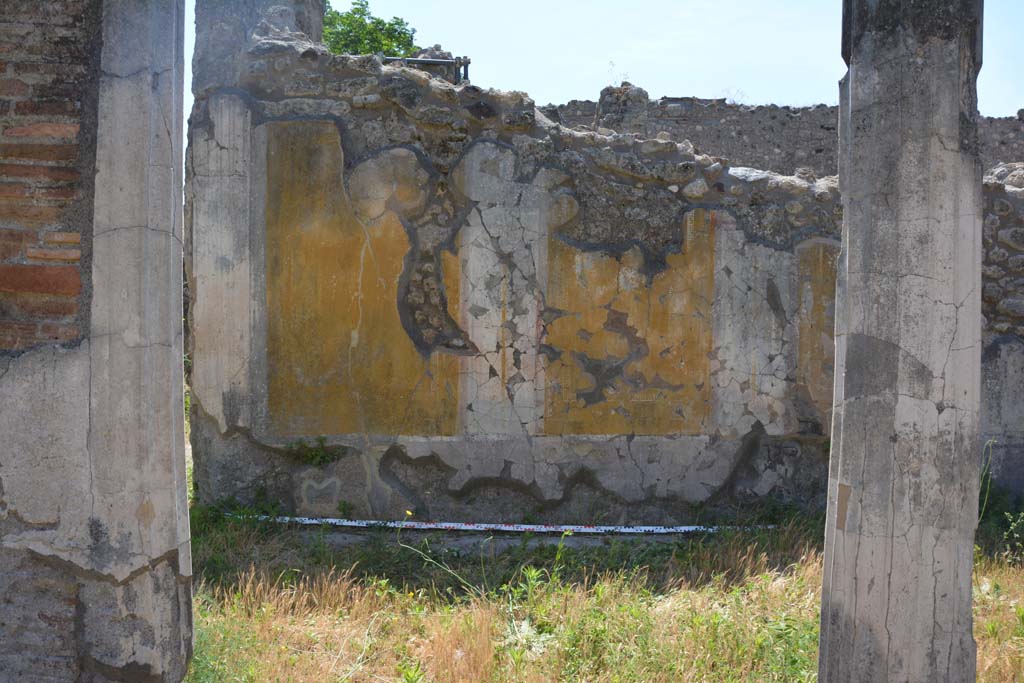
(498, 209)
(904, 475)
(546, 279)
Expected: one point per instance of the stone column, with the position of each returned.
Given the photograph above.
(903, 482)
(139, 622)
(95, 570)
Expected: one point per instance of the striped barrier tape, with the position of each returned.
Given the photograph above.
(413, 525)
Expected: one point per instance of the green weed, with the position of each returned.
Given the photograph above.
(317, 453)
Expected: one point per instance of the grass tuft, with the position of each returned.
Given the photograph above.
(287, 604)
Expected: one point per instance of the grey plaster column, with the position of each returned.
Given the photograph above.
(903, 482)
(136, 428)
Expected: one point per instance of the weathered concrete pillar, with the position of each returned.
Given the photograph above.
(903, 482)
(95, 575)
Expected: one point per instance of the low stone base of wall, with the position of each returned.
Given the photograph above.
(577, 480)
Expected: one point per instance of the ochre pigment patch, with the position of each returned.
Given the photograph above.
(842, 504)
(451, 272)
(816, 320)
(339, 359)
(630, 355)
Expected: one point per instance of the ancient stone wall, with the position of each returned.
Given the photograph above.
(1003, 310)
(1003, 275)
(772, 137)
(95, 575)
(415, 295)
(485, 315)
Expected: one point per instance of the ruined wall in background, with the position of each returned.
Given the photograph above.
(786, 138)
(776, 138)
(486, 315)
(1002, 413)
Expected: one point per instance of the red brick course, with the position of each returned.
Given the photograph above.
(30, 306)
(44, 130)
(64, 280)
(17, 336)
(9, 190)
(48, 85)
(46, 108)
(38, 152)
(29, 213)
(62, 238)
(63, 255)
(50, 173)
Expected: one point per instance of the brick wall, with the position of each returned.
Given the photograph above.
(48, 91)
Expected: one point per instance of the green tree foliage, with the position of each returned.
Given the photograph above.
(359, 32)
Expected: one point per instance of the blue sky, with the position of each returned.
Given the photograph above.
(752, 51)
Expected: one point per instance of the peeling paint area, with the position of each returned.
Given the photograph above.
(502, 254)
(627, 354)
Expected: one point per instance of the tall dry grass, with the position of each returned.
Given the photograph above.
(740, 607)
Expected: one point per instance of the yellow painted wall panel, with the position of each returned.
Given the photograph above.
(339, 360)
(816, 323)
(632, 353)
